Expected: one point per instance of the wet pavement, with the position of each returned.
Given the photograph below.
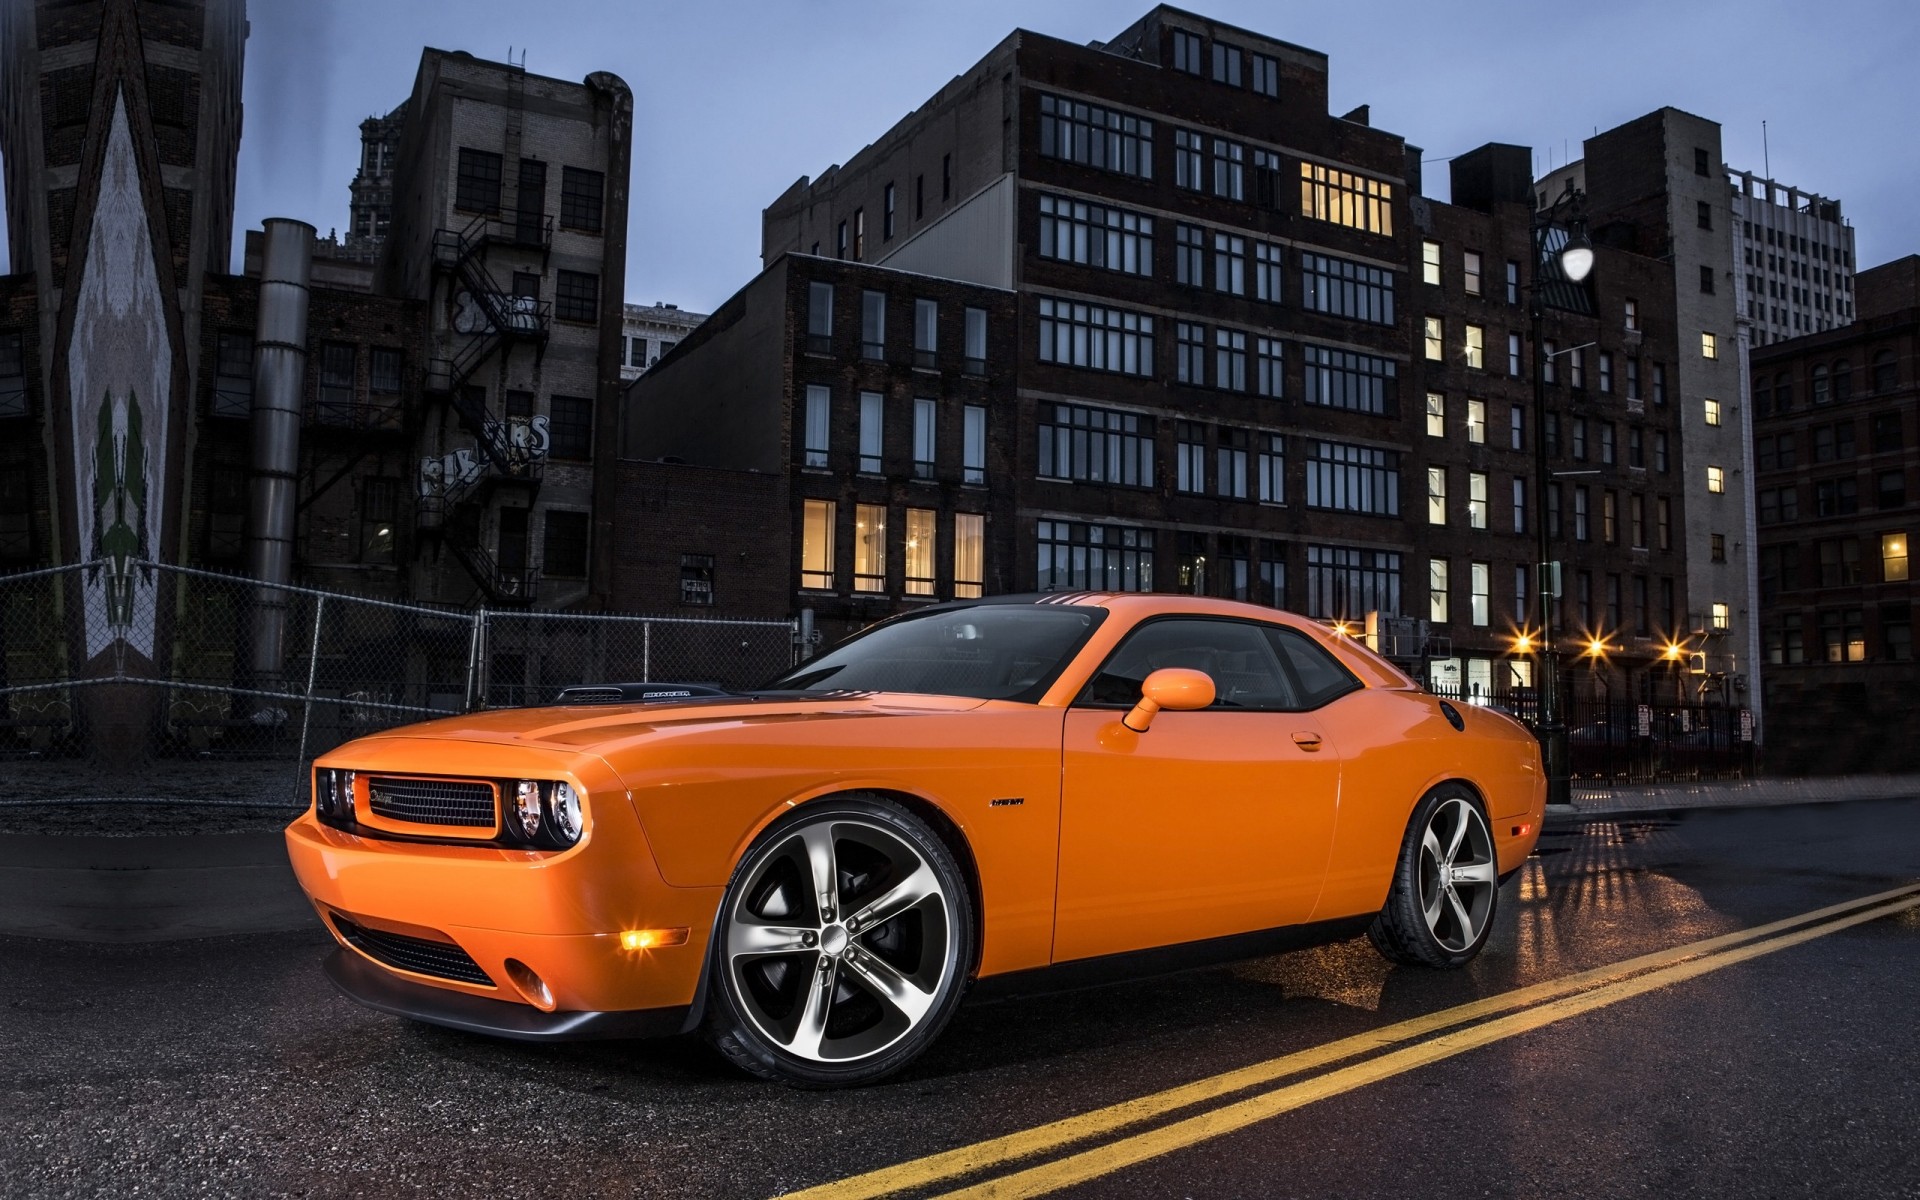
(228, 1066)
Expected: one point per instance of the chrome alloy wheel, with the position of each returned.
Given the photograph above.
(1458, 875)
(836, 946)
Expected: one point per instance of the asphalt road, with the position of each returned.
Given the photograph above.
(228, 1066)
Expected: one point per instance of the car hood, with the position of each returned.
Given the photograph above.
(596, 727)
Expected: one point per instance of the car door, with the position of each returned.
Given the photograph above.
(1212, 822)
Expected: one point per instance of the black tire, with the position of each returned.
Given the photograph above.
(1407, 931)
(891, 984)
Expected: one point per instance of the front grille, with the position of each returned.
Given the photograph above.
(432, 801)
(442, 960)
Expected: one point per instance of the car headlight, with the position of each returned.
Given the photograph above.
(563, 805)
(526, 808)
(323, 791)
(343, 798)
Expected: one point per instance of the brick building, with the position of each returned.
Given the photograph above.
(1793, 265)
(1837, 448)
(649, 331)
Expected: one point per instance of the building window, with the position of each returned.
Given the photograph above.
(840, 241)
(1885, 373)
(1437, 591)
(1229, 264)
(384, 370)
(566, 544)
(1839, 562)
(1436, 495)
(819, 317)
(1660, 451)
(1579, 439)
(1513, 282)
(920, 552)
(1637, 523)
(1436, 415)
(886, 213)
(1095, 445)
(570, 433)
(973, 444)
(1610, 518)
(969, 555)
(859, 235)
(1709, 346)
(232, 380)
(1189, 255)
(816, 545)
(1606, 372)
(975, 349)
(1476, 500)
(1701, 166)
(1712, 409)
(1480, 591)
(1582, 532)
(1517, 428)
(1430, 263)
(1189, 457)
(1230, 360)
(1477, 422)
(1892, 489)
(1703, 214)
(869, 547)
(334, 403)
(576, 296)
(925, 414)
(1476, 347)
(946, 160)
(1266, 75)
(226, 513)
(1893, 557)
(1226, 64)
(1513, 355)
(926, 332)
(1633, 379)
(1266, 272)
(696, 579)
(919, 196)
(1272, 468)
(1706, 280)
(1347, 583)
(1096, 337)
(1716, 480)
(1190, 353)
(1346, 289)
(1230, 463)
(873, 325)
(1470, 272)
(1519, 505)
(1659, 383)
(1577, 368)
(1186, 52)
(1266, 179)
(1343, 379)
(1349, 478)
(1188, 169)
(872, 413)
(1344, 198)
(1229, 169)
(581, 201)
(1083, 557)
(1269, 367)
(1436, 339)
(379, 513)
(818, 423)
(476, 185)
(1096, 235)
(1606, 442)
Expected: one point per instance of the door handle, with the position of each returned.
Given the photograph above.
(1306, 739)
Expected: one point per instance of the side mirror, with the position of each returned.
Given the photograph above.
(1176, 688)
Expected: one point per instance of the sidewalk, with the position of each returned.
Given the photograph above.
(1739, 793)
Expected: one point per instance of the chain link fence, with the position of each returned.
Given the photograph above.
(143, 681)
(1631, 743)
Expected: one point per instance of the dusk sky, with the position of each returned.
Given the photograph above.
(733, 101)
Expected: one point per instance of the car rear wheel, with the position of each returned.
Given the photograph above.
(1446, 884)
(843, 945)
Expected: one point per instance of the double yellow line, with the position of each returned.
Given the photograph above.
(1539, 1005)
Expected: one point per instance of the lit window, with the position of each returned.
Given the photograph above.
(1709, 346)
(920, 550)
(1477, 422)
(1344, 198)
(1713, 412)
(1436, 495)
(1476, 500)
(1893, 557)
(1633, 315)
(1437, 589)
(1476, 347)
(969, 554)
(816, 545)
(1716, 480)
(1430, 262)
(871, 407)
(1722, 617)
(1481, 588)
(869, 547)
(1436, 340)
(1436, 415)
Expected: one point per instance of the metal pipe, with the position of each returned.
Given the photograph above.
(1552, 725)
(279, 379)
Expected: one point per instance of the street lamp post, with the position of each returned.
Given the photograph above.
(1575, 260)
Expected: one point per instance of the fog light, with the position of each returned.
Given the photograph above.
(652, 939)
(564, 806)
(530, 985)
(526, 807)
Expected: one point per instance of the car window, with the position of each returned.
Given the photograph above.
(988, 651)
(1237, 655)
(1319, 675)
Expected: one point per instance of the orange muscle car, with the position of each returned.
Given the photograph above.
(995, 792)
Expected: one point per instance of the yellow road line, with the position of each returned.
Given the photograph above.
(965, 1160)
(1128, 1151)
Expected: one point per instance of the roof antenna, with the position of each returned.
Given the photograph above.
(1766, 156)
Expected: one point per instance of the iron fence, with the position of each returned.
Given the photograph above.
(1615, 741)
(126, 678)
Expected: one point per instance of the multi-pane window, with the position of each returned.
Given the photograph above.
(1660, 451)
(1190, 353)
(1709, 346)
(1344, 379)
(886, 214)
(1096, 337)
(1344, 198)
(1479, 592)
(1606, 442)
(1633, 378)
(920, 550)
(873, 325)
(976, 341)
(335, 399)
(1893, 557)
(859, 234)
(1266, 179)
(1582, 532)
(1266, 75)
(1096, 235)
(1430, 263)
(973, 444)
(1349, 478)
(1436, 495)
(379, 513)
(1229, 169)
(926, 332)
(1190, 255)
(1659, 383)
(1577, 368)
(1348, 582)
(1637, 524)
(1095, 445)
(1476, 347)
(1513, 355)
(1266, 272)
(1477, 422)
(1092, 136)
(1610, 518)
(1085, 557)
(1519, 505)
(1189, 456)
(1346, 289)
(1710, 409)
(816, 544)
(576, 296)
(582, 195)
(819, 317)
(1470, 272)
(1229, 264)
(1188, 167)
(925, 416)
(1517, 428)
(869, 547)
(1580, 439)
(1437, 607)
(1476, 500)
(696, 579)
(1606, 372)
(1436, 415)
(570, 428)
(872, 414)
(1186, 52)
(1230, 464)
(1716, 480)
(818, 422)
(1436, 339)
(232, 381)
(1269, 367)
(476, 186)
(384, 366)
(1272, 468)
(1226, 64)
(969, 555)
(1521, 590)
(1513, 282)
(1230, 360)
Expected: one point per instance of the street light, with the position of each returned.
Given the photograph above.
(1575, 261)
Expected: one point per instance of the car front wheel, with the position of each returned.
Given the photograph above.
(1446, 884)
(843, 945)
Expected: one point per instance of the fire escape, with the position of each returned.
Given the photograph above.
(455, 491)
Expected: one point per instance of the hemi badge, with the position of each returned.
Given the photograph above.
(1007, 802)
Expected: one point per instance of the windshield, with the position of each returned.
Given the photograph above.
(986, 651)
